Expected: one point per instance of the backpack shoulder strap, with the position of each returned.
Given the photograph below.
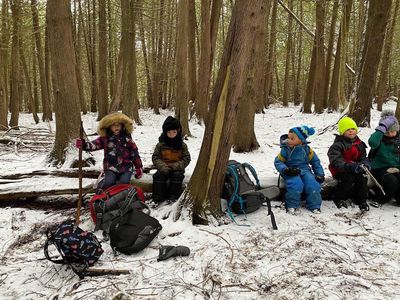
(254, 173)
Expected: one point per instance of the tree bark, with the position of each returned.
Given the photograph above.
(16, 77)
(4, 67)
(191, 51)
(378, 15)
(271, 55)
(320, 58)
(103, 61)
(65, 85)
(182, 103)
(383, 83)
(289, 42)
(205, 186)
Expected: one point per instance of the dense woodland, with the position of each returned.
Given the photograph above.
(218, 61)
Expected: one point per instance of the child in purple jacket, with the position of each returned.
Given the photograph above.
(120, 151)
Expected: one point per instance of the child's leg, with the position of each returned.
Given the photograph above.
(390, 185)
(345, 186)
(110, 178)
(175, 184)
(360, 189)
(313, 191)
(294, 187)
(160, 187)
(124, 177)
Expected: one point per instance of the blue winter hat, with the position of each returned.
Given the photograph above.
(303, 132)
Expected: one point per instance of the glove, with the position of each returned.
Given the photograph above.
(291, 171)
(171, 251)
(138, 173)
(165, 170)
(319, 178)
(354, 168)
(386, 123)
(393, 170)
(79, 143)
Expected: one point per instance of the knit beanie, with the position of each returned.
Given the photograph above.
(303, 132)
(345, 124)
(386, 113)
(171, 123)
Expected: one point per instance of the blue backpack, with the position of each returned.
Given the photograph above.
(242, 194)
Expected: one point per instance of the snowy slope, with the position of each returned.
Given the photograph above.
(339, 254)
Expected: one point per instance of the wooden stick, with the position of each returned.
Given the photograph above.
(94, 272)
(78, 210)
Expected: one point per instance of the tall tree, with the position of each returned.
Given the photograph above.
(65, 85)
(182, 103)
(191, 51)
(289, 42)
(103, 61)
(205, 186)
(378, 17)
(3, 68)
(271, 55)
(16, 76)
(383, 82)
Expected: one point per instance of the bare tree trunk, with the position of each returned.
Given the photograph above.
(378, 15)
(44, 92)
(16, 77)
(271, 55)
(65, 86)
(205, 186)
(191, 51)
(111, 52)
(299, 75)
(78, 46)
(330, 51)
(383, 83)
(320, 58)
(47, 67)
(244, 138)
(4, 66)
(289, 41)
(103, 61)
(309, 94)
(182, 67)
(31, 102)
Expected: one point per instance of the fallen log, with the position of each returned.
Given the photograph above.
(72, 173)
(12, 195)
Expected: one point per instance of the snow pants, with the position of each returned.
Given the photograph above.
(167, 186)
(306, 182)
(351, 185)
(390, 183)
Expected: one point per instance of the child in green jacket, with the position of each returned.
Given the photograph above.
(385, 156)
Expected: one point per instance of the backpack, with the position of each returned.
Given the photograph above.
(133, 231)
(242, 194)
(114, 202)
(79, 249)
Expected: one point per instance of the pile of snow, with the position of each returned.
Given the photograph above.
(337, 254)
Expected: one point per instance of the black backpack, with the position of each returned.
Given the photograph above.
(133, 231)
(79, 249)
(242, 194)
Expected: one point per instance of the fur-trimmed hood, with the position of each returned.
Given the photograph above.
(112, 118)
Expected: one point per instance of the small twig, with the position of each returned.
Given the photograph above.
(229, 245)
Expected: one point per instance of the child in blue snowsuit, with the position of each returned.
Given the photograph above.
(293, 163)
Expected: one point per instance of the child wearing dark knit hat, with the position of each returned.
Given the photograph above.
(293, 163)
(171, 156)
(347, 161)
(385, 156)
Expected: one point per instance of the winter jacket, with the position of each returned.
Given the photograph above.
(386, 151)
(346, 151)
(165, 156)
(120, 152)
(301, 156)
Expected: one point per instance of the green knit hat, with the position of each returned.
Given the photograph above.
(345, 124)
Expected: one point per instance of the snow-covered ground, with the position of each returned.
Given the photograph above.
(339, 254)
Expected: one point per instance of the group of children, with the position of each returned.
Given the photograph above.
(348, 162)
(297, 163)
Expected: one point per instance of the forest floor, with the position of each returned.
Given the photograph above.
(339, 254)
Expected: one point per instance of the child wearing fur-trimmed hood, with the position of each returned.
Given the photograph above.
(121, 154)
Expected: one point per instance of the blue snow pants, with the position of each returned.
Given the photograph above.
(306, 182)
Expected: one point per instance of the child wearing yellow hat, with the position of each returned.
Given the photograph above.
(347, 157)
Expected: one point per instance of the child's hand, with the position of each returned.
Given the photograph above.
(386, 123)
(166, 170)
(138, 173)
(291, 171)
(355, 168)
(320, 179)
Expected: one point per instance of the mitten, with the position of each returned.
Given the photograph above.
(165, 170)
(171, 251)
(79, 143)
(354, 168)
(386, 123)
(319, 178)
(291, 171)
(138, 173)
(393, 170)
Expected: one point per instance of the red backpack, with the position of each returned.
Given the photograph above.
(113, 203)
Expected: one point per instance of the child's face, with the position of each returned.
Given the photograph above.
(293, 140)
(350, 133)
(391, 133)
(116, 128)
(172, 133)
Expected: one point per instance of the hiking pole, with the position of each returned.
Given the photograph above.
(373, 179)
(78, 210)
